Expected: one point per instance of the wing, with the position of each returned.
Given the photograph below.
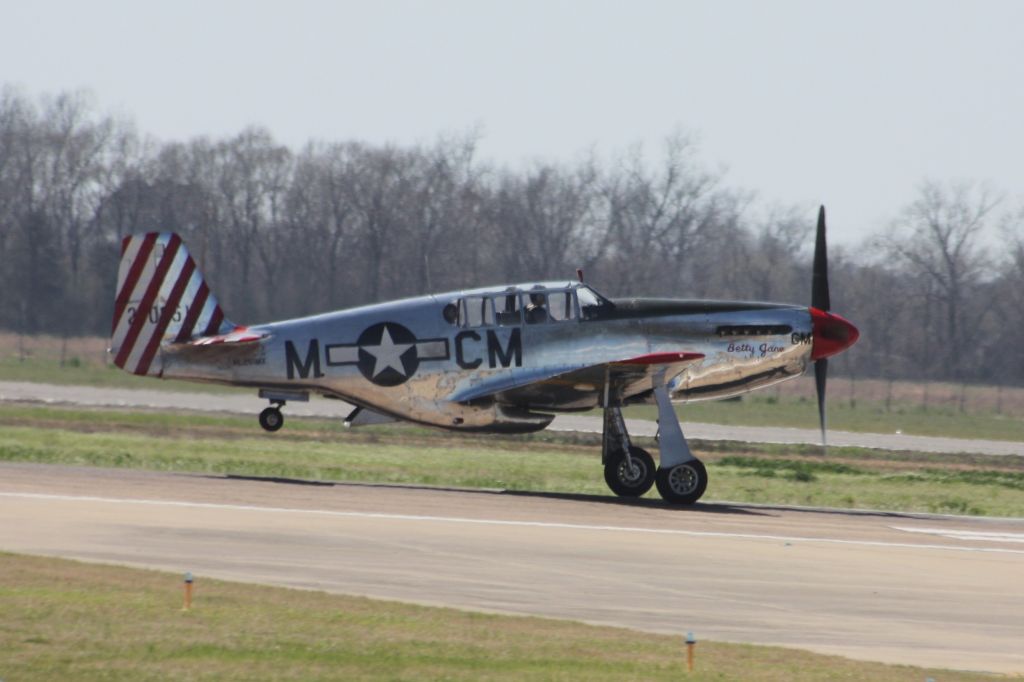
(570, 386)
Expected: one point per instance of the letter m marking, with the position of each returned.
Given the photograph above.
(303, 367)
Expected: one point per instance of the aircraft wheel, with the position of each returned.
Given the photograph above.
(271, 419)
(683, 483)
(626, 481)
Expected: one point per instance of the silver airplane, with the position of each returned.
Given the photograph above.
(496, 359)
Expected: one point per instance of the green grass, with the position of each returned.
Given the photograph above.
(546, 462)
(864, 416)
(76, 372)
(342, 460)
(65, 620)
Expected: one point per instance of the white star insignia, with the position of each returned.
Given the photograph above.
(387, 354)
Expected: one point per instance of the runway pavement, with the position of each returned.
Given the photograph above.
(915, 589)
(12, 391)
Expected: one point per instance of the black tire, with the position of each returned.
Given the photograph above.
(271, 419)
(684, 483)
(626, 483)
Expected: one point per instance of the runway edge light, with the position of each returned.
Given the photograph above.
(188, 591)
(691, 642)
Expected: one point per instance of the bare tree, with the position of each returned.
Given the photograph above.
(445, 212)
(771, 256)
(1006, 364)
(252, 174)
(654, 218)
(938, 241)
(541, 219)
(378, 189)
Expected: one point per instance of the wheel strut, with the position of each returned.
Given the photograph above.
(681, 477)
(615, 441)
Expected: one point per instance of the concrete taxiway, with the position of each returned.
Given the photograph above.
(915, 589)
(27, 392)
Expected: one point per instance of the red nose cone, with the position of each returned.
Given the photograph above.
(832, 334)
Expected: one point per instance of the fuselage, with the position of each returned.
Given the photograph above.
(413, 358)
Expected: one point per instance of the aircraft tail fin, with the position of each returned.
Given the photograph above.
(161, 297)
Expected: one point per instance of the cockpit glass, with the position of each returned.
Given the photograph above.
(536, 305)
(561, 306)
(590, 302)
(475, 311)
(508, 309)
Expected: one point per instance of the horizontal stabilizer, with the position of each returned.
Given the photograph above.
(236, 335)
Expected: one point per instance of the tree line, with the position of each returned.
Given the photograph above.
(283, 232)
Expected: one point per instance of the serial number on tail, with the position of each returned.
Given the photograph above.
(156, 311)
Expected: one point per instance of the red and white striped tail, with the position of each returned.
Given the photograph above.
(161, 296)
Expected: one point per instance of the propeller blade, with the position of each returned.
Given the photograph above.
(820, 376)
(819, 281)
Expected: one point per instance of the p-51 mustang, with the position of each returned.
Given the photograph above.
(501, 359)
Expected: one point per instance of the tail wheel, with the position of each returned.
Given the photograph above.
(684, 483)
(271, 419)
(630, 478)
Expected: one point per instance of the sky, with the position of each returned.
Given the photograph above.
(850, 104)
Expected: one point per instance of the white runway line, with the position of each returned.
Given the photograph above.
(501, 522)
(965, 534)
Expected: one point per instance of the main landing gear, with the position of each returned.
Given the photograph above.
(629, 470)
